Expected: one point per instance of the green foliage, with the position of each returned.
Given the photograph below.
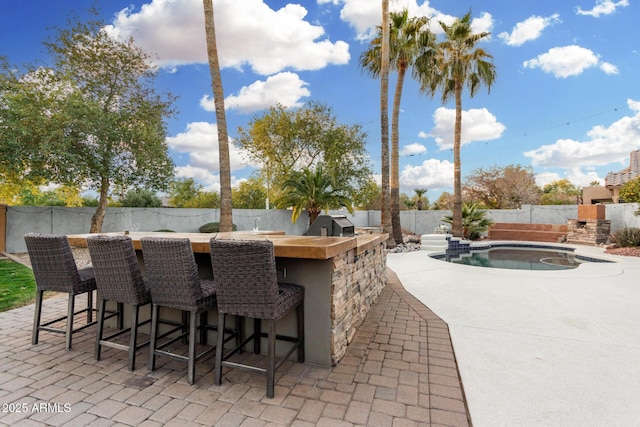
(90, 202)
(204, 200)
(141, 198)
(213, 227)
(626, 237)
(29, 197)
(630, 191)
(286, 140)
(182, 191)
(444, 202)
(250, 194)
(368, 197)
(164, 230)
(561, 192)
(313, 191)
(420, 199)
(474, 221)
(17, 285)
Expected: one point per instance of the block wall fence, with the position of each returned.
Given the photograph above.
(16, 221)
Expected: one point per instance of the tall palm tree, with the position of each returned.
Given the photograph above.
(313, 191)
(407, 38)
(456, 62)
(226, 216)
(384, 123)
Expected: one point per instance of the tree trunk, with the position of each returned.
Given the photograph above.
(226, 218)
(98, 217)
(384, 125)
(456, 226)
(395, 158)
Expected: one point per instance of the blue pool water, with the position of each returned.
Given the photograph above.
(517, 257)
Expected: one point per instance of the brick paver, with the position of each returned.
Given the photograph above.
(399, 370)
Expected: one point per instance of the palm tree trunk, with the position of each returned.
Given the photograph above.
(226, 219)
(384, 124)
(456, 226)
(395, 158)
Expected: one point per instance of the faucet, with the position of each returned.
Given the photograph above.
(255, 223)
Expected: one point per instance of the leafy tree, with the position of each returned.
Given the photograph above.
(454, 63)
(226, 216)
(561, 192)
(29, 197)
(141, 198)
(630, 191)
(92, 119)
(182, 190)
(313, 191)
(205, 199)
(91, 202)
(250, 194)
(369, 197)
(507, 187)
(444, 202)
(420, 192)
(474, 221)
(286, 140)
(594, 183)
(407, 37)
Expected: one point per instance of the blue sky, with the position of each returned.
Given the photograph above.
(566, 100)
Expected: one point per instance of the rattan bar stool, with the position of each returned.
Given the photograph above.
(54, 269)
(119, 279)
(244, 273)
(172, 273)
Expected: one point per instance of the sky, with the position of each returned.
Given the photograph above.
(565, 102)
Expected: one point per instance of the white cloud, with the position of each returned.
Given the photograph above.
(575, 175)
(413, 149)
(477, 125)
(603, 7)
(284, 88)
(278, 39)
(529, 29)
(431, 174)
(568, 61)
(200, 141)
(605, 145)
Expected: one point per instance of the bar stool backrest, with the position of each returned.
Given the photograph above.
(52, 262)
(244, 272)
(115, 265)
(172, 272)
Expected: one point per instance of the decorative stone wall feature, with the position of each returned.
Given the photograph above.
(588, 232)
(357, 281)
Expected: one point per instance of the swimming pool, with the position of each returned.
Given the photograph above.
(516, 256)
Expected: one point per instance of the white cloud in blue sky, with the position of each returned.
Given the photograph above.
(603, 7)
(529, 29)
(567, 61)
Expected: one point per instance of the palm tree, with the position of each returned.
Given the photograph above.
(226, 217)
(407, 38)
(474, 221)
(313, 191)
(385, 211)
(454, 63)
(419, 193)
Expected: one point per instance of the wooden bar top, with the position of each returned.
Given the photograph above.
(306, 247)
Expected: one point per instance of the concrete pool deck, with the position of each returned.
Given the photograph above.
(539, 348)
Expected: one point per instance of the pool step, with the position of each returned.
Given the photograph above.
(434, 242)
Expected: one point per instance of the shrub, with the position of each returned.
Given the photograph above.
(626, 237)
(164, 230)
(213, 227)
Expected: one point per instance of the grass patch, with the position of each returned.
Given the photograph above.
(17, 285)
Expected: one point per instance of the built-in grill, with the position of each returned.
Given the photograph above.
(331, 225)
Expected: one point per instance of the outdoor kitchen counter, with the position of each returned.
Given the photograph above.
(342, 276)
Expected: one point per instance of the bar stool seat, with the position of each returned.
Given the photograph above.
(244, 273)
(119, 279)
(55, 269)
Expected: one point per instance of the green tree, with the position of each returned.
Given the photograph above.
(250, 194)
(507, 187)
(226, 215)
(420, 192)
(286, 140)
(205, 199)
(369, 197)
(182, 190)
(444, 202)
(407, 38)
(92, 119)
(474, 221)
(630, 191)
(454, 63)
(313, 191)
(561, 192)
(141, 198)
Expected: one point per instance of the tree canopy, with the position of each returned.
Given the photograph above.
(561, 192)
(284, 140)
(507, 187)
(92, 118)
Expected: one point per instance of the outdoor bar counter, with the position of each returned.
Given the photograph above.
(342, 276)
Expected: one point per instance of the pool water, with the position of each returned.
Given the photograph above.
(517, 257)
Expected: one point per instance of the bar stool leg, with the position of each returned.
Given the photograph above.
(271, 358)
(154, 337)
(193, 326)
(70, 311)
(99, 334)
(135, 311)
(217, 371)
(37, 318)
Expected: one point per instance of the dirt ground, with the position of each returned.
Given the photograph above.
(624, 251)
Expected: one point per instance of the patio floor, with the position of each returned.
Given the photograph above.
(400, 370)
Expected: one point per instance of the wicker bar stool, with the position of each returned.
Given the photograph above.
(118, 279)
(244, 273)
(173, 280)
(54, 269)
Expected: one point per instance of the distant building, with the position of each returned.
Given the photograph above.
(610, 191)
